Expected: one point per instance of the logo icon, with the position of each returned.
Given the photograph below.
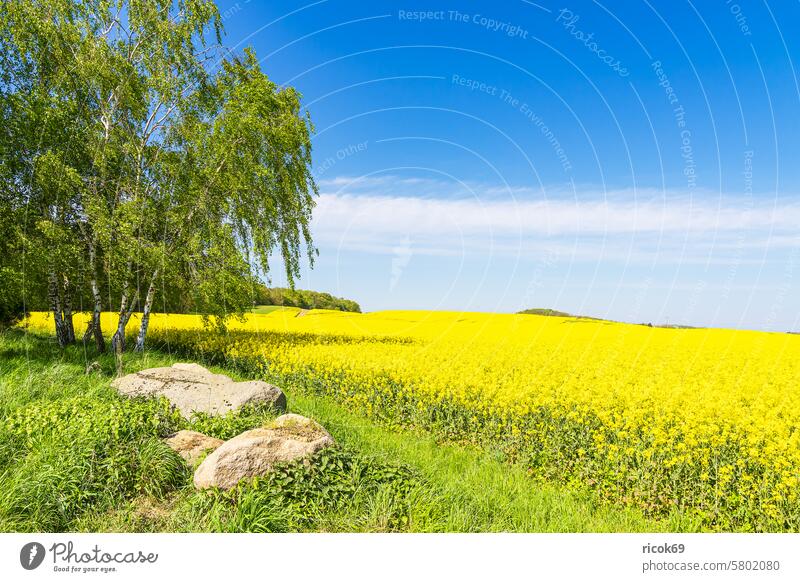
(31, 555)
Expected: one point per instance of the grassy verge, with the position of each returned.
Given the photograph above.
(74, 456)
(262, 309)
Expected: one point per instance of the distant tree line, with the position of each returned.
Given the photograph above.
(544, 311)
(303, 298)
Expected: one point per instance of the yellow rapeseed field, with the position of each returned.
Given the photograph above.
(699, 421)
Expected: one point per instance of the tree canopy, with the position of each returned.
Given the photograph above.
(141, 158)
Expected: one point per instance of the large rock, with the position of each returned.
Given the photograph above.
(191, 445)
(192, 388)
(255, 452)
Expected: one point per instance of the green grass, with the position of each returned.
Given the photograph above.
(74, 456)
(262, 309)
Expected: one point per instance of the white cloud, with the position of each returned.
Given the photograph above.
(372, 214)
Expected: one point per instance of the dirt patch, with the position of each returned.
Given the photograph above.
(149, 509)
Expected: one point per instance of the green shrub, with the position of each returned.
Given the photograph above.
(336, 489)
(231, 424)
(159, 469)
(103, 421)
(66, 457)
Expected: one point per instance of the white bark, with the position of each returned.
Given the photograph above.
(98, 302)
(69, 328)
(148, 304)
(55, 306)
(118, 340)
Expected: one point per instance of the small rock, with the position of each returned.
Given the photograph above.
(193, 388)
(191, 445)
(255, 452)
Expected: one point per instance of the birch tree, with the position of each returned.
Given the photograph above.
(183, 164)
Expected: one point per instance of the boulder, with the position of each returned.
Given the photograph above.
(193, 388)
(255, 452)
(191, 445)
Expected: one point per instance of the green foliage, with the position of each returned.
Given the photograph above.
(229, 425)
(298, 496)
(303, 298)
(102, 421)
(64, 457)
(12, 305)
(335, 477)
(160, 469)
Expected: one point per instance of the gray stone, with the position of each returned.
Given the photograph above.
(193, 388)
(255, 452)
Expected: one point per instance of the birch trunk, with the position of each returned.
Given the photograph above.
(89, 331)
(55, 306)
(69, 328)
(118, 340)
(117, 348)
(98, 303)
(148, 304)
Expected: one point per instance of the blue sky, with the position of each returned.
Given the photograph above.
(630, 160)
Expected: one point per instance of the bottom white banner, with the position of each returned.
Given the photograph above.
(406, 557)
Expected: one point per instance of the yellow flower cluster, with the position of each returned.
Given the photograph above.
(702, 421)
